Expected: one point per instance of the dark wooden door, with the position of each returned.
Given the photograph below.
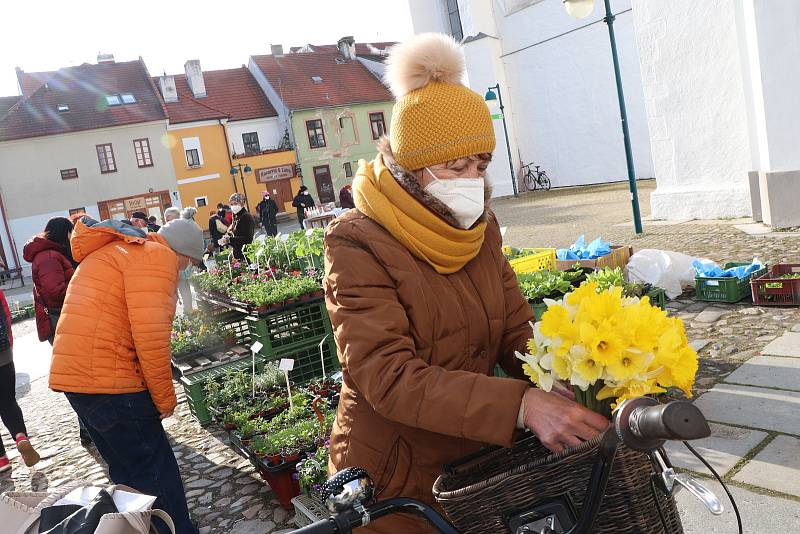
(322, 176)
(281, 192)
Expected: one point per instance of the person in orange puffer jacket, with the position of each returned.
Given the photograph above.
(111, 355)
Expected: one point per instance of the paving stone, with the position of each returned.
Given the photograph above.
(796, 328)
(786, 345)
(194, 493)
(699, 344)
(251, 512)
(253, 526)
(723, 449)
(200, 483)
(769, 372)
(776, 467)
(765, 409)
(205, 530)
(710, 316)
(280, 515)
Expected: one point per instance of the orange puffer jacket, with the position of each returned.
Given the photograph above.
(114, 332)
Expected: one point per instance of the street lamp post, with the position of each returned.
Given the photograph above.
(490, 97)
(583, 8)
(241, 170)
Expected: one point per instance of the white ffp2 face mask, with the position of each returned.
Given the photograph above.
(236, 209)
(464, 197)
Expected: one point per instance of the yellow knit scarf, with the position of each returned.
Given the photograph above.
(378, 195)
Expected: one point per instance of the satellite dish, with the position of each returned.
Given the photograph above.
(579, 9)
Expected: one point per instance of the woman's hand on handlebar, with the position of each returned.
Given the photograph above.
(558, 422)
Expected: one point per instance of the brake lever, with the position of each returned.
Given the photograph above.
(668, 479)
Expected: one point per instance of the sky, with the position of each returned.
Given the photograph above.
(50, 34)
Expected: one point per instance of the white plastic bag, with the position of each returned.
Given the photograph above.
(671, 271)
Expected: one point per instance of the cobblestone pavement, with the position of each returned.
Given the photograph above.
(224, 493)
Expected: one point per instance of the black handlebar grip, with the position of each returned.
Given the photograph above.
(326, 526)
(677, 420)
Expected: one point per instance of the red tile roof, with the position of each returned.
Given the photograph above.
(365, 50)
(231, 93)
(343, 83)
(83, 89)
(31, 81)
(7, 102)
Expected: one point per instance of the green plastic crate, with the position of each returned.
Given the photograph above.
(307, 361)
(287, 330)
(658, 297)
(538, 310)
(725, 289)
(194, 385)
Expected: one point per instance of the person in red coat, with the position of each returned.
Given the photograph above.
(50, 255)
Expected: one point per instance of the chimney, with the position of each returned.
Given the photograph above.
(194, 76)
(347, 47)
(105, 58)
(168, 91)
(277, 50)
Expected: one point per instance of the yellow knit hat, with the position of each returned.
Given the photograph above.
(435, 118)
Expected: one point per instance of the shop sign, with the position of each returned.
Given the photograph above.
(135, 204)
(279, 172)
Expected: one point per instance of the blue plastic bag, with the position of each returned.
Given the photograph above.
(709, 269)
(581, 251)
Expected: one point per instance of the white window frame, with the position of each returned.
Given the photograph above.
(190, 143)
(205, 199)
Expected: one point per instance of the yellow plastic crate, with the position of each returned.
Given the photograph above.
(539, 259)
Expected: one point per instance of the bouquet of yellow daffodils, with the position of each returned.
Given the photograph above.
(609, 348)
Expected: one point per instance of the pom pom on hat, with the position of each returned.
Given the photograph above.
(429, 57)
(436, 118)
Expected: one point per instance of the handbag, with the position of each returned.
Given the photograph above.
(27, 512)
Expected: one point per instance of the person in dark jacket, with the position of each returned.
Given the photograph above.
(302, 201)
(241, 230)
(9, 409)
(346, 197)
(152, 224)
(217, 227)
(50, 256)
(267, 211)
(225, 212)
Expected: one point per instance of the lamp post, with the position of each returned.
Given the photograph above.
(241, 170)
(491, 97)
(583, 8)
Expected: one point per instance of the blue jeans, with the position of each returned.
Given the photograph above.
(127, 432)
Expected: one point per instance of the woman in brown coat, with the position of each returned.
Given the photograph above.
(422, 300)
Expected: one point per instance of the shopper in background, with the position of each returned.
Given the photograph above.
(139, 220)
(267, 211)
(10, 411)
(111, 355)
(184, 287)
(52, 267)
(242, 229)
(225, 213)
(171, 213)
(346, 197)
(217, 227)
(189, 213)
(152, 224)
(302, 201)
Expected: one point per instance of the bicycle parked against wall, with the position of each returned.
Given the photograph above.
(534, 178)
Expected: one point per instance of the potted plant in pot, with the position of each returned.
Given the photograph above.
(313, 471)
(541, 285)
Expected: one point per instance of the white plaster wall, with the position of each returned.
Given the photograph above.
(485, 70)
(268, 130)
(696, 107)
(775, 42)
(33, 190)
(428, 16)
(563, 92)
(284, 121)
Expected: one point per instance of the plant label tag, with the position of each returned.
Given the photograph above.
(256, 347)
(284, 237)
(503, 231)
(287, 364)
(309, 232)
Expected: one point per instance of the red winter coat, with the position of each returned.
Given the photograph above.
(52, 272)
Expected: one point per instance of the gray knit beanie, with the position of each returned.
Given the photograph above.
(184, 237)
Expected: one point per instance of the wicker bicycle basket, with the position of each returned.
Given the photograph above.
(481, 492)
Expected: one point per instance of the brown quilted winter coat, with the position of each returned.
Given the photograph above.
(418, 349)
